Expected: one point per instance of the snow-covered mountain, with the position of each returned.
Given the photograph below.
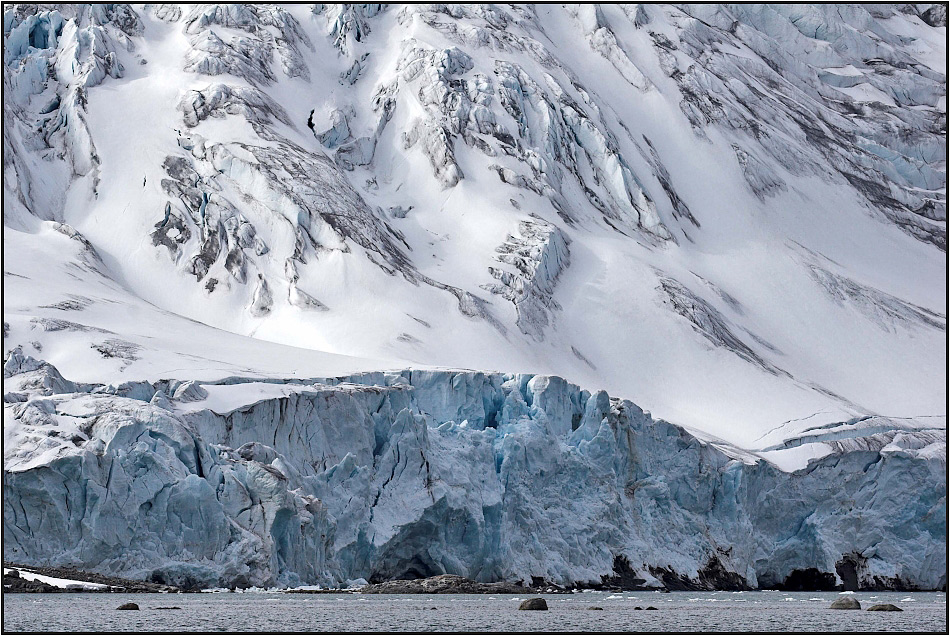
(266, 216)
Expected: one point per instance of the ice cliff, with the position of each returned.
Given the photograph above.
(414, 473)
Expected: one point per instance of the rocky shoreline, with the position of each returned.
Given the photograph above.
(13, 582)
(449, 584)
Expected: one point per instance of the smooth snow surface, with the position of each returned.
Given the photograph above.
(634, 198)
(62, 583)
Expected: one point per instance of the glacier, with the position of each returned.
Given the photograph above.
(557, 184)
(319, 294)
(414, 473)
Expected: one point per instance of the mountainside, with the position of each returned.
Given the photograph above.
(732, 215)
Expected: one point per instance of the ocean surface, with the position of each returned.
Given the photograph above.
(274, 612)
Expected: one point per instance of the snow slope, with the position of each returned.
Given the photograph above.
(547, 182)
(734, 215)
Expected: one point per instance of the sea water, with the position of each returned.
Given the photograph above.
(275, 611)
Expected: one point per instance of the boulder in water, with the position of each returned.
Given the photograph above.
(884, 607)
(128, 606)
(533, 604)
(846, 603)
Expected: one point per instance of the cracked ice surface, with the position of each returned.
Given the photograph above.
(415, 473)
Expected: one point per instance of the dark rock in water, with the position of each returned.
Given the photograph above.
(444, 584)
(884, 607)
(638, 608)
(846, 603)
(594, 607)
(651, 608)
(533, 604)
(168, 608)
(128, 606)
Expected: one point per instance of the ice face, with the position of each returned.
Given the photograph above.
(417, 473)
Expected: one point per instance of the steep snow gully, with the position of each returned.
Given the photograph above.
(290, 292)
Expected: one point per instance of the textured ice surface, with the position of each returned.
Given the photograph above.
(415, 473)
(619, 195)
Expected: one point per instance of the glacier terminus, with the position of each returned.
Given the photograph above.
(649, 296)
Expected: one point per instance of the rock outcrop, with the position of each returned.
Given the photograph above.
(443, 584)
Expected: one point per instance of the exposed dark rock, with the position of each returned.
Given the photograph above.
(711, 323)
(935, 16)
(117, 584)
(847, 568)
(533, 604)
(444, 584)
(128, 606)
(886, 583)
(852, 571)
(594, 607)
(713, 576)
(808, 580)
(15, 583)
(184, 583)
(624, 578)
